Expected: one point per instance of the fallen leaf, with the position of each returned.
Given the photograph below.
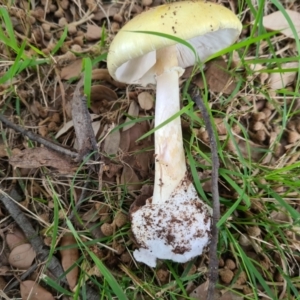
(145, 100)
(133, 111)
(257, 71)
(139, 161)
(22, 256)
(31, 290)
(70, 124)
(93, 32)
(130, 179)
(108, 10)
(4, 254)
(140, 200)
(188, 72)
(102, 74)
(92, 215)
(221, 128)
(38, 110)
(230, 296)
(206, 180)
(125, 141)
(128, 138)
(281, 216)
(3, 283)
(277, 21)
(200, 293)
(112, 170)
(256, 153)
(136, 168)
(15, 238)
(69, 257)
(279, 80)
(3, 152)
(112, 142)
(100, 94)
(4, 271)
(219, 80)
(40, 157)
(95, 230)
(72, 70)
(101, 208)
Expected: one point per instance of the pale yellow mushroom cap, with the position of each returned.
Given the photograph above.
(207, 26)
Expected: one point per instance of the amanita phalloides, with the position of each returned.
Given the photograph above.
(173, 224)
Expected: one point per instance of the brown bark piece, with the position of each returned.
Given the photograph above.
(218, 78)
(42, 157)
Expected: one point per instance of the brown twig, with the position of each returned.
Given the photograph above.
(86, 139)
(25, 275)
(213, 257)
(34, 137)
(36, 241)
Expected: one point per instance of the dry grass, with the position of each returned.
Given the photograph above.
(253, 94)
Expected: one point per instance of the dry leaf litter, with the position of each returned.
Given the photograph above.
(251, 122)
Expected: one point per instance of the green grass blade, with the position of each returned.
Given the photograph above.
(16, 67)
(11, 40)
(87, 65)
(104, 271)
(182, 111)
(60, 41)
(194, 172)
(56, 286)
(243, 44)
(170, 37)
(99, 58)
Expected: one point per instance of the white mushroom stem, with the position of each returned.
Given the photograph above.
(173, 224)
(170, 167)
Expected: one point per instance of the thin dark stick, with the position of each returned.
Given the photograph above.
(34, 137)
(25, 275)
(213, 257)
(31, 234)
(36, 241)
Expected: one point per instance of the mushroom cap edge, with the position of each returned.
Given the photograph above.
(185, 20)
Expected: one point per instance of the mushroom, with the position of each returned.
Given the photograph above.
(174, 223)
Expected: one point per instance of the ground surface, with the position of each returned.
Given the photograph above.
(71, 211)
